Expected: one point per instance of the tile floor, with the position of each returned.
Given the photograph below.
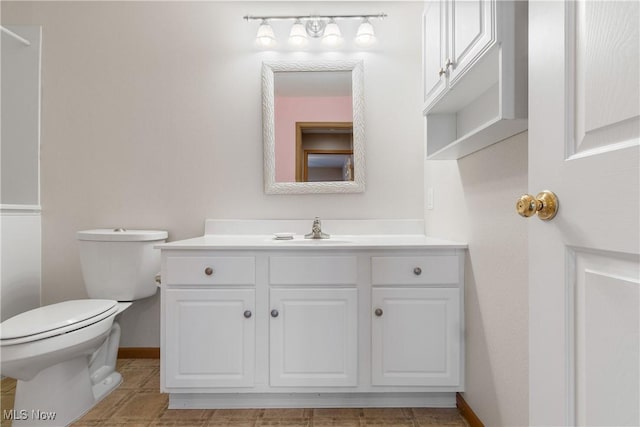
(137, 402)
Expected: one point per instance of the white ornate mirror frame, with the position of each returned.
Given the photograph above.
(268, 135)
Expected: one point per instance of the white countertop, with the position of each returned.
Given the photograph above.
(267, 241)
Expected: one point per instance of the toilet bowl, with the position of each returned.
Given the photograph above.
(63, 355)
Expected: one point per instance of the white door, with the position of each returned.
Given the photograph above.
(210, 338)
(313, 337)
(415, 336)
(584, 277)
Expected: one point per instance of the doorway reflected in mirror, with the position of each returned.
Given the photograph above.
(324, 151)
(314, 106)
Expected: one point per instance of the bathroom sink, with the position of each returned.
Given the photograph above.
(316, 241)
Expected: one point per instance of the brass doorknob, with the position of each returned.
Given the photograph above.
(545, 204)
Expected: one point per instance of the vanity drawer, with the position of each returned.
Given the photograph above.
(415, 270)
(313, 270)
(210, 271)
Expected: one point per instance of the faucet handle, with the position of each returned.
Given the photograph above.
(316, 230)
(316, 227)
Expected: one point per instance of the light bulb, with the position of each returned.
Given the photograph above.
(332, 36)
(265, 37)
(298, 36)
(365, 36)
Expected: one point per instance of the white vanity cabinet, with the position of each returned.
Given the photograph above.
(310, 325)
(209, 319)
(212, 336)
(415, 324)
(313, 337)
(313, 325)
(414, 336)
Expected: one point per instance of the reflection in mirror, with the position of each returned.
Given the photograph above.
(327, 165)
(332, 141)
(313, 127)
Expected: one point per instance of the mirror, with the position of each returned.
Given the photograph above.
(313, 127)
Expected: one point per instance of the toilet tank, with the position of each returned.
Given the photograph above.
(120, 264)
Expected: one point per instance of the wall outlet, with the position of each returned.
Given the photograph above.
(430, 198)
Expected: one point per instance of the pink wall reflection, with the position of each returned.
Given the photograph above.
(288, 111)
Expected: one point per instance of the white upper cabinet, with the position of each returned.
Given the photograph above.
(474, 74)
(471, 32)
(434, 43)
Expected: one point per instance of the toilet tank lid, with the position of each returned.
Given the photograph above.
(121, 235)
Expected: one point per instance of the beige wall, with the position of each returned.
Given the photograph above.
(152, 119)
(474, 201)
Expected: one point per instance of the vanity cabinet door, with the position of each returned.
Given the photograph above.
(210, 338)
(313, 337)
(416, 336)
(434, 43)
(471, 31)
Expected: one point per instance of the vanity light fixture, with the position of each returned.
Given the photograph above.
(265, 37)
(314, 26)
(298, 35)
(332, 36)
(366, 36)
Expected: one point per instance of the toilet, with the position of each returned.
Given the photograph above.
(63, 355)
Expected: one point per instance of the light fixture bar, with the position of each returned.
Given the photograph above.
(312, 17)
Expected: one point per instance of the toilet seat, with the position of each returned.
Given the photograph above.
(55, 319)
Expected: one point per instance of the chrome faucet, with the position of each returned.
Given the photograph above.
(316, 231)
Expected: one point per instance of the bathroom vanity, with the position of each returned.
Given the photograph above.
(364, 318)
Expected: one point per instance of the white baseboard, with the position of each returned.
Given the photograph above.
(310, 400)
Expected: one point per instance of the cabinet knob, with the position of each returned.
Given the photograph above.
(247, 313)
(449, 63)
(417, 271)
(378, 312)
(208, 271)
(441, 72)
(274, 313)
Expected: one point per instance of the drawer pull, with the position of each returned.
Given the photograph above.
(247, 314)
(274, 313)
(417, 271)
(378, 312)
(208, 271)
